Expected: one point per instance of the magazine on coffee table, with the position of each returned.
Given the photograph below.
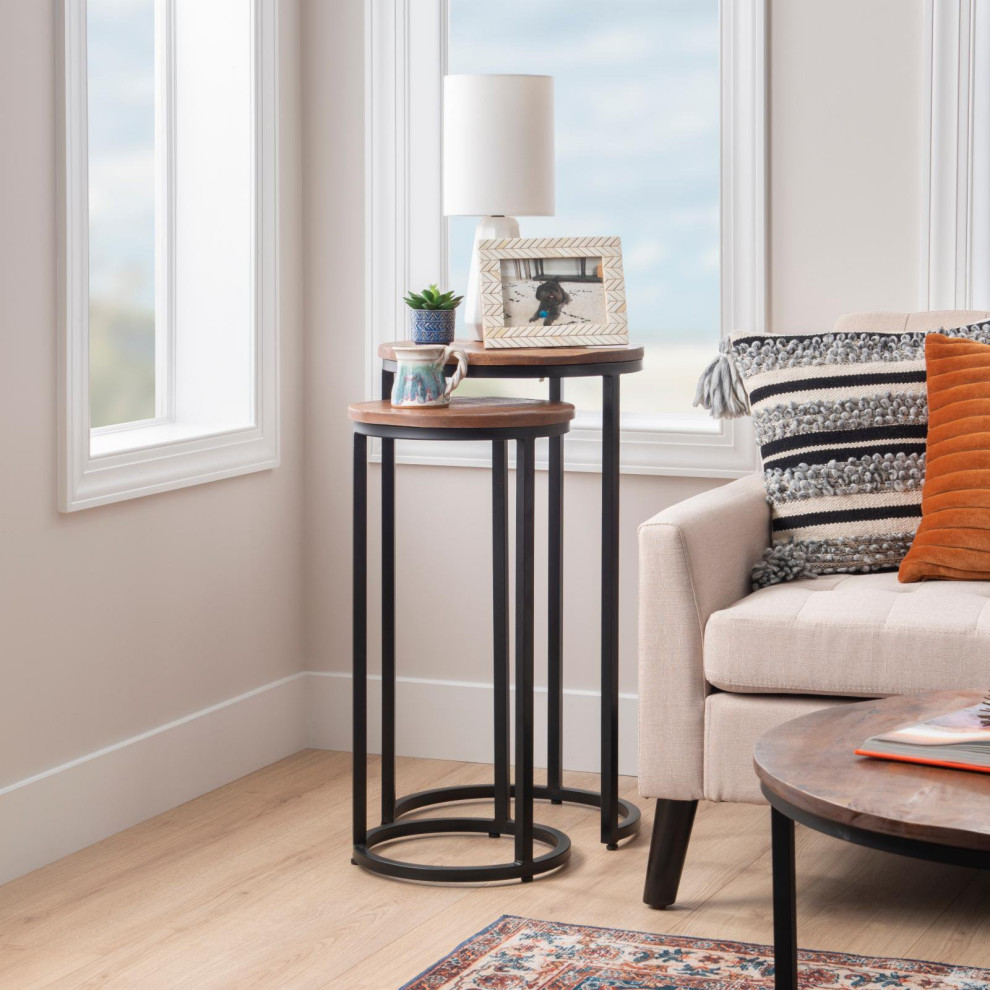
(960, 740)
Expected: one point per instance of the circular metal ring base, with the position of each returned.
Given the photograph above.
(364, 856)
(629, 816)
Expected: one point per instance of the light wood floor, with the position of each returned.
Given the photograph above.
(251, 887)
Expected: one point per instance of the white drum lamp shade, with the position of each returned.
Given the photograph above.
(498, 147)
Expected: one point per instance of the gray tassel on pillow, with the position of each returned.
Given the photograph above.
(781, 562)
(721, 389)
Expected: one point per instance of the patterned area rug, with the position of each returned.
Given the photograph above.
(523, 954)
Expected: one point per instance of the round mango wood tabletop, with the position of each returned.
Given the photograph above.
(809, 762)
(464, 414)
(480, 356)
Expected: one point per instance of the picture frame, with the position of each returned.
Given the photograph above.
(552, 292)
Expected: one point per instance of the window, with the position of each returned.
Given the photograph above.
(956, 239)
(122, 116)
(637, 127)
(660, 139)
(168, 245)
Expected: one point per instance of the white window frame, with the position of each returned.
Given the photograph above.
(955, 259)
(403, 197)
(115, 463)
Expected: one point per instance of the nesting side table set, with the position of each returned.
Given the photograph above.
(497, 421)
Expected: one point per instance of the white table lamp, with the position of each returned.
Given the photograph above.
(498, 160)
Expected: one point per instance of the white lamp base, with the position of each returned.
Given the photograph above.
(488, 228)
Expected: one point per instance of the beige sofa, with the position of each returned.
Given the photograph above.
(719, 664)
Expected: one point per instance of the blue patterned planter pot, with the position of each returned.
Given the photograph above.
(432, 326)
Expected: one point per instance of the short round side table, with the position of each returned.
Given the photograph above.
(619, 818)
(498, 421)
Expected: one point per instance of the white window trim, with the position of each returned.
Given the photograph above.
(955, 254)
(97, 467)
(165, 210)
(404, 196)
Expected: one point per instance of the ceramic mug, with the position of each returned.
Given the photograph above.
(419, 379)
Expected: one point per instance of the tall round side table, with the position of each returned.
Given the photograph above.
(497, 421)
(619, 818)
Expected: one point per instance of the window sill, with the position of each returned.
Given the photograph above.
(130, 463)
(106, 442)
(689, 448)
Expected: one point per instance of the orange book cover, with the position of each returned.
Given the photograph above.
(925, 761)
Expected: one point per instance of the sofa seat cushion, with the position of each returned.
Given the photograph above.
(852, 635)
(733, 723)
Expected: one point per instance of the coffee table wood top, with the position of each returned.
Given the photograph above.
(465, 414)
(529, 356)
(809, 762)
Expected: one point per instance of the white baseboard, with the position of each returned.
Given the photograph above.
(54, 813)
(67, 807)
(452, 720)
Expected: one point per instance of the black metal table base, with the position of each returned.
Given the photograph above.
(525, 865)
(365, 856)
(783, 815)
(619, 819)
(628, 821)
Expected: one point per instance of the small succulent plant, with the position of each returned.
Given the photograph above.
(432, 298)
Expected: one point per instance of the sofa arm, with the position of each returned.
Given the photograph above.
(694, 559)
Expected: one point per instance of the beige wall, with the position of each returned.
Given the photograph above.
(117, 619)
(333, 193)
(845, 180)
(845, 158)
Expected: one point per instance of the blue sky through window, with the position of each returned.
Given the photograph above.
(121, 130)
(637, 134)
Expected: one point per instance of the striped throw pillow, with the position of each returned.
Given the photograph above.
(841, 421)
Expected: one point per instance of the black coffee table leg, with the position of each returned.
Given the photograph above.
(784, 902)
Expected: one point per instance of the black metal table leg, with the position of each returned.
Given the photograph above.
(500, 619)
(784, 902)
(610, 612)
(359, 775)
(555, 612)
(523, 809)
(388, 618)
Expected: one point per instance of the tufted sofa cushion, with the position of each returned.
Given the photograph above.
(852, 635)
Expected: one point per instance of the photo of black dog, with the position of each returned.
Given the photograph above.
(551, 296)
(567, 290)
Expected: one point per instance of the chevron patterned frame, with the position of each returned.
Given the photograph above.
(614, 332)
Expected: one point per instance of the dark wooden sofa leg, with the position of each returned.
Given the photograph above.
(668, 847)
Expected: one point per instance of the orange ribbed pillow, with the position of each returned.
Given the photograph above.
(953, 540)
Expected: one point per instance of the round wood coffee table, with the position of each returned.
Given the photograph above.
(810, 774)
